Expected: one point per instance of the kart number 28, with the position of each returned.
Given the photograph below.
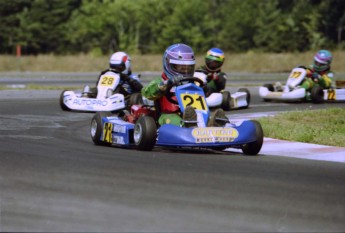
(194, 100)
(107, 81)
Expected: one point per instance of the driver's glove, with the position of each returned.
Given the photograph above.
(169, 83)
(212, 76)
(315, 76)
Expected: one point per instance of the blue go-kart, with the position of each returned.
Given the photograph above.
(139, 128)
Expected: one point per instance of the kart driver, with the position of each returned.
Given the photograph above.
(216, 80)
(178, 62)
(119, 63)
(319, 72)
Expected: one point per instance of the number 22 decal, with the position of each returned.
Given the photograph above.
(331, 94)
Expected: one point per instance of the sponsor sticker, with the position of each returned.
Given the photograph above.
(90, 102)
(214, 134)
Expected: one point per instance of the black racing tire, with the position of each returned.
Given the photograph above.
(317, 95)
(145, 133)
(135, 98)
(248, 96)
(269, 86)
(96, 128)
(226, 101)
(253, 148)
(62, 104)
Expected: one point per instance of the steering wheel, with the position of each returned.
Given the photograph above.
(170, 94)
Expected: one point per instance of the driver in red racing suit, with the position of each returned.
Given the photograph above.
(178, 62)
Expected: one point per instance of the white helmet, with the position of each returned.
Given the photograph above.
(121, 62)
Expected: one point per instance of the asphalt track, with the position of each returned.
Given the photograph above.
(52, 178)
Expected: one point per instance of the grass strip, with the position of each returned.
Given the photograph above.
(324, 127)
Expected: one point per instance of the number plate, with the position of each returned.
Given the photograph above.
(196, 101)
(107, 81)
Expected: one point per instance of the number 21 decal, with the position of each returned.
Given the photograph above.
(194, 100)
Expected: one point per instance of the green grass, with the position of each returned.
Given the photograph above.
(39, 87)
(324, 127)
(234, 62)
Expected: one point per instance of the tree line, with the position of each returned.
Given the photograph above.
(150, 26)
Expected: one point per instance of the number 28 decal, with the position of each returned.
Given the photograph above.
(107, 81)
(196, 101)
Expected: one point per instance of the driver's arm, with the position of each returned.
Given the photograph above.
(152, 91)
(135, 85)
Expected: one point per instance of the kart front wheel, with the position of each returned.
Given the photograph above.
(253, 148)
(62, 104)
(270, 87)
(145, 133)
(317, 94)
(96, 128)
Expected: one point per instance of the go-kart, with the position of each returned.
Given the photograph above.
(224, 99)
(108, 97)
(139, 128)
(292, 92)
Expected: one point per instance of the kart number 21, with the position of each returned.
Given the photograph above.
(194, 100)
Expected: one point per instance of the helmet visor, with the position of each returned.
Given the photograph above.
(186, 68)
(213, 65)
(183, 69)
(320, 66)
(118, 67)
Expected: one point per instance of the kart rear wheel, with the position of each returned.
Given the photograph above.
(62, 104)
(226, 101)
(316, 94)
(253, 148)
(96, 128)
(248, 96)
(145, 133)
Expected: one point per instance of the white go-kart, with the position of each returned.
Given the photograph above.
(224, 99)
(292, 92)
(107, 99)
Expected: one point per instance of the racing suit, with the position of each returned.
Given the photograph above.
(324, 79)
(168, 112)
(216, 80)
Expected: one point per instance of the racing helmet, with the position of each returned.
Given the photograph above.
(121, 62)
(322, 60)
(214, 59)
(179, 60)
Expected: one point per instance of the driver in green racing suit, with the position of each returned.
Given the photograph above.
(319, 73)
